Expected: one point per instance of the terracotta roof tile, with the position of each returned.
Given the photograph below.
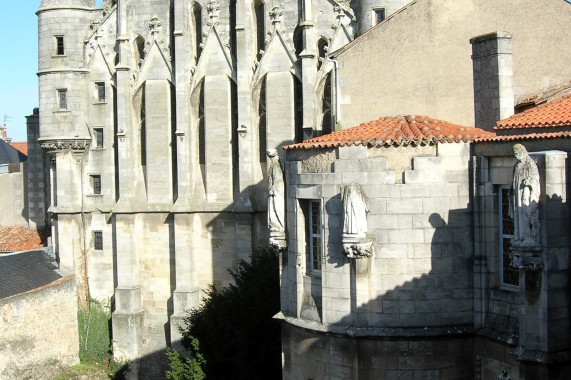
(529, 136)
(556, 113)
(398, 130)
(20, 146)
(21, 239)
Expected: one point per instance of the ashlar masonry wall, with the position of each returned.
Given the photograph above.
(419, 281)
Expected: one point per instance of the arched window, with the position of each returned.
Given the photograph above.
(262, 132)
(197, 19)
(321, 50)
(259, 13)
(201, 131)
(326, 120)
(139, 50)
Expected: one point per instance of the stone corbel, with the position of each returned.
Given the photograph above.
(55, 145)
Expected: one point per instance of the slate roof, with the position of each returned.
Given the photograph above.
(10, 155)
(396, 131)
(21, 239)
(556, 113)
(25, 271)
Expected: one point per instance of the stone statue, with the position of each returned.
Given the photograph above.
(354, 239)
(276, 201)
(354, 210)
(524, 200)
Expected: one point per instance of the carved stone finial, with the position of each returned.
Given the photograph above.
(354, 239)
(276, 200)
(276, 16)
(155, 26)
(213, 9)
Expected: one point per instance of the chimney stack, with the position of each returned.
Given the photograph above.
(493, 78)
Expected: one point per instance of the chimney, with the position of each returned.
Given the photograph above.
(493, 78)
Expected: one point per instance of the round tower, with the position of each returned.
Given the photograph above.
(370, 12)
(63, 26)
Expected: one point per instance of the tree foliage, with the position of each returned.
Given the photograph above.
(234, 325)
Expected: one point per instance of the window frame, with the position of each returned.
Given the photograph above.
(315, 263)
(59, 45)
(97, 240)
(99, 137)
(59, 93)
(99, 88)
(374, 15)
(503, 257)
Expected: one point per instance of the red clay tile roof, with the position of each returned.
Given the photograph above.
(21, 146)
(398, 130)
(21, 239)
(528, 136)
(556, 113)
(546, 95)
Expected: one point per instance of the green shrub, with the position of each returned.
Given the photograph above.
(94, 338)
(238, 336)
(95, 344)
(185, 369)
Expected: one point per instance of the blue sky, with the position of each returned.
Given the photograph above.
(18, 65)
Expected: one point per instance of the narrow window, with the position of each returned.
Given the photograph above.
(260, 28)
(197, 15)
(62, 99)
(312, 216)
(98, 132)
(322, 51)
(100, 89)
(98, 240)
(378, 15)
(509, 275)
(60, 47)
(262, 125)
(96, 184)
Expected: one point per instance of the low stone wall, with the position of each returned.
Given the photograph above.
(38, 331)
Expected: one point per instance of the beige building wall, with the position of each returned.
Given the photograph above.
(38, 333)
(418, 62)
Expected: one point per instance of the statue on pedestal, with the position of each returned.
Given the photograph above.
(354, 239)
(276, 201)
(524, 201)
(524, 209)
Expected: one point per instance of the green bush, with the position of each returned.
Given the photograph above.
(238, 336)
(186, 369)
(95, 344)
(94, 339)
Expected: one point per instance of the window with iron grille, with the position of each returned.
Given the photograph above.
(509, 275)
(96, 184)
(98, 240)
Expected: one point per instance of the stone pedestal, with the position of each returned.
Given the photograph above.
(183, 301)
(127, 321)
